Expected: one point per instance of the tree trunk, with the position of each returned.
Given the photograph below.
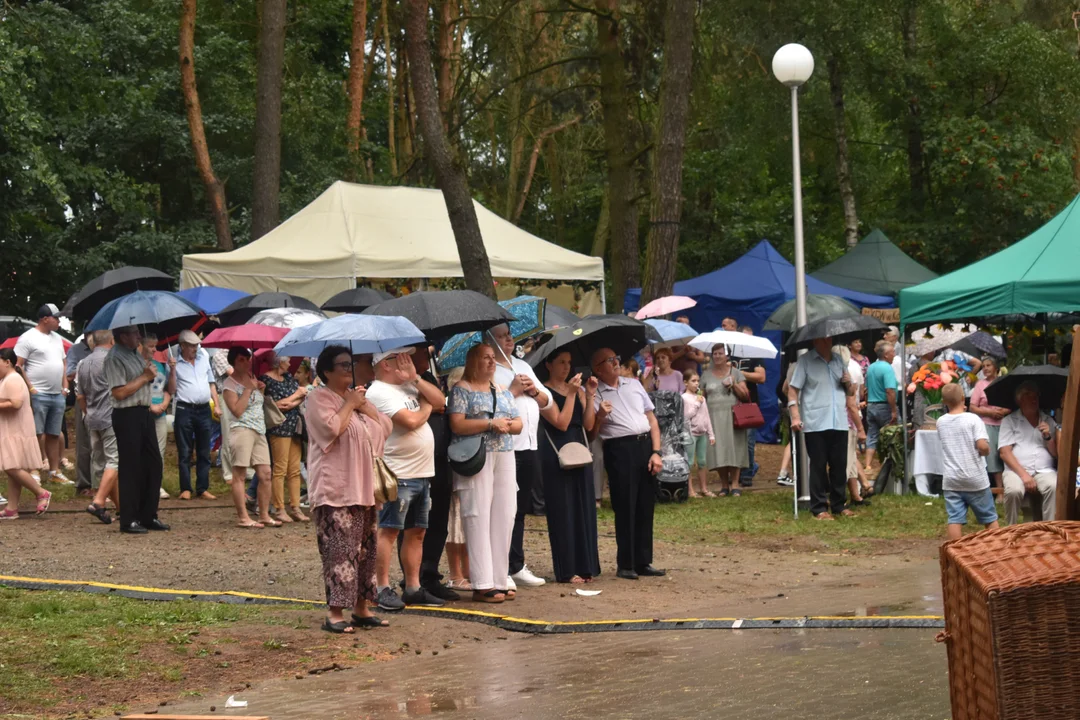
(267, 170)
(916, 163)
(537, 146)
(843, 163)
(662, 244)
(446, 44)
(625, 249)
(603, 227)
(449, 174)
(215, 190)
(390, 130)
(355, 122)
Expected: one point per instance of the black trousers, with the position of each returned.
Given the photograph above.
(528, 477)
(633, 496)
(438, 520)
(140, 464)
(827, 452)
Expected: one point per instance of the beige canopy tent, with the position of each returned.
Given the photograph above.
(370, 232)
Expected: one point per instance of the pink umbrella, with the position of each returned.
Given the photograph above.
(250, 336)
(665, 306)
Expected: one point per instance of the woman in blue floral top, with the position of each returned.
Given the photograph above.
(489, 498)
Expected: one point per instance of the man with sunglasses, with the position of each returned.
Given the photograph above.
(627, 426)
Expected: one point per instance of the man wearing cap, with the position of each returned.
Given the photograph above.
(129, 376)
(626, 423)
(408, 400)
(193, 383)
(41, 356)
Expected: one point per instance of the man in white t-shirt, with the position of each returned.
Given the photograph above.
(1027, 443)
(964, 444)
(518, 377)
(408, 400)
(41, 356)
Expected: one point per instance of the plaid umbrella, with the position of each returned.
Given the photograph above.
(528, 312)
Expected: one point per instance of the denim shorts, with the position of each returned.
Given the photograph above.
(981, 503)
(878, 415)
(48, 412)
(411, 508)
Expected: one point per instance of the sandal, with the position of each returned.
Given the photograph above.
(371, 621)
(709, 493)
(488, 596)
(100, 513)
(270, 522)
(9, 514)
(296, 515)
(43, 502)
(576, 580)
(723, 493)
(823, 516)
(508, 595)
(736, 493)
(250, 524)
(341, 627)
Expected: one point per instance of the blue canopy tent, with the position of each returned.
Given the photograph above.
(749, 290)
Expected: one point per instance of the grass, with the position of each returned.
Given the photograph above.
(770, 515)
(47, 638)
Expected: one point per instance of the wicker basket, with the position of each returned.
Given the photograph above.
(1012, 622)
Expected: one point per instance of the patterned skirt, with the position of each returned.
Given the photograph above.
(347, 545)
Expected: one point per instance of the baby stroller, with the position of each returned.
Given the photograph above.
(674, 476)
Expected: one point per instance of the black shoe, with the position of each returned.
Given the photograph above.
(861, 503)
(388, 600)
(422, 598)
(650, 571)
(100, 513)
(443, 593)
(156, 524)
(627, 574)
(133, 529)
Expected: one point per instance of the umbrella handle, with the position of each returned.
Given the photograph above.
(499, 348)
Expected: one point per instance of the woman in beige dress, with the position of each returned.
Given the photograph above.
(724, 388)
(19, 451)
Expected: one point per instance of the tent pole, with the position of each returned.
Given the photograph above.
(603, 297)
(902, 399)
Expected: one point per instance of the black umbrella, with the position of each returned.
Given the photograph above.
(817, 306)
(838, 327)
(111, 285)
(980, 343)
(442, 313)
(622, 334)
(555, 317)
(356, 300)
(246, 308)
(1050, 380)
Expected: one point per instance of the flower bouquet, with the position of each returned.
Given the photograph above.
(929, 379)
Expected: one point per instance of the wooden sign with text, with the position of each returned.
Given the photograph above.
(890, 316)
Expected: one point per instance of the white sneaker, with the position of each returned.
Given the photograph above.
(37, 476)
(526, 578)
(510, 584)
(162, 494)
(59, 478)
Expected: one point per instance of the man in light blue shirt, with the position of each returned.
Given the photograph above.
(193, 383)
(817, 402)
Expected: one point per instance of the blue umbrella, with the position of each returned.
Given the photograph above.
(362, 334)
(165, 312)
(212, 299)
(528, 312)
(672, 331)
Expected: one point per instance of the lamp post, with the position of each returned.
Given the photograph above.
(793, 65)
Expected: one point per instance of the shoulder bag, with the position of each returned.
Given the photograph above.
(468, 453)
(272, 414)
(747, 416)
(385, 481)
(572, 455)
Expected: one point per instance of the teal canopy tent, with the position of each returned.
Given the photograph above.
(875, 266)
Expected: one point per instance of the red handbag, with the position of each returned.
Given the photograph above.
(747, 416)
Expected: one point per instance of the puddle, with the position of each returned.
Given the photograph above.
(927, 605)
(430, 704)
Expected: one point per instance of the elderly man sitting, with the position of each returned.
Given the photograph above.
(1028, 447)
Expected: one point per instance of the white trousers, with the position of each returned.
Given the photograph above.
(488, 506)
(225, 452)
(1045, 488)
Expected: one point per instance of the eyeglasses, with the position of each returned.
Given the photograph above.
(344, 364)
(613, 360)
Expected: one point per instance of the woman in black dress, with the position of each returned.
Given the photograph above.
(571, 508)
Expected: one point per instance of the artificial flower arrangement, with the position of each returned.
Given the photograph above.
(931, 377)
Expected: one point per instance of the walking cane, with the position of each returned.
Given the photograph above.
(795, 470)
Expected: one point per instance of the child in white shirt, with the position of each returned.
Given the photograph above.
(964, 443)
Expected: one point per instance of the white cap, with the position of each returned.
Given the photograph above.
(380, 356)
(189, 338)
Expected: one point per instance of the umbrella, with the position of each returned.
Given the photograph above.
(556, 317)
(356, 300)
(739, 344)
(528, 312)
(833, 326)
(673, 333)
(287, 317)
(165, 312)
(817, 306)
(665, 306)
(251, 336)
(442, 313)
(980, 343)
(623, 334)
(244, 309)
(360, 333)
(212, 299)
(937, 341)
(9, 344)
(1050, 379)
(111, 285)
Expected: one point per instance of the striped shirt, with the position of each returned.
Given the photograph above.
(121, 367)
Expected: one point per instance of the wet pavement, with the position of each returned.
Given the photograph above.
(760, 674)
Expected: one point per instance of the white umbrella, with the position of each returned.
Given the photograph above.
(739, 344)
(287, 317)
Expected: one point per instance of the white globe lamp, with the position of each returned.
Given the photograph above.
(793, 65)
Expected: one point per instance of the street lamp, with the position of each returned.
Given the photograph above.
(793, 65)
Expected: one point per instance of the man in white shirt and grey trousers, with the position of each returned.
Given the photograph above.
(518, 377)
